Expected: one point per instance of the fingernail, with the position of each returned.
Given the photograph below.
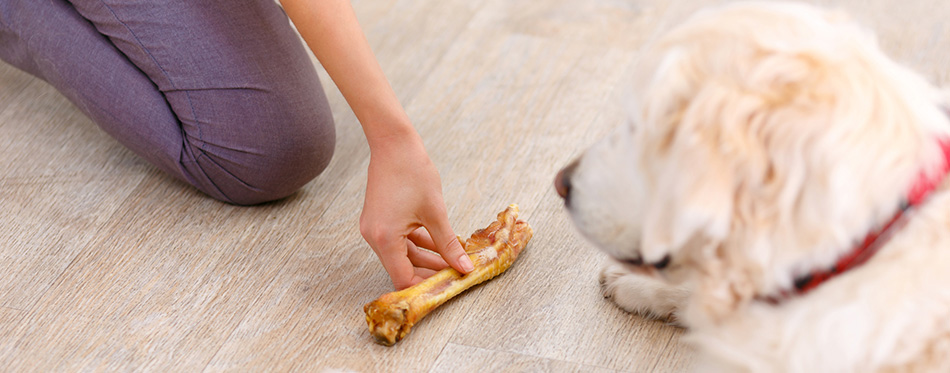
(466, 263)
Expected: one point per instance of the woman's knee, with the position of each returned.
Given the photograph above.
(264, 151)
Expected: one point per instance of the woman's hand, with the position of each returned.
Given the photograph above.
(403, 213)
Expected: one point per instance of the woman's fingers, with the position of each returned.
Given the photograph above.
(422, 239)
(447, 244)
(409, 265)
(397, 264)
(424, 259)
(424, 273)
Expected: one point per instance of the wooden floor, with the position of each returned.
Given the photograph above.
(106, 264)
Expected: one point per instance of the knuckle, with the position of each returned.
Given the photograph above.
(401, 284)
(373, 233)
(366, 229)
(450, 246)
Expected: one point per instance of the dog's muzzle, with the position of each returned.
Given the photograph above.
(562, 184)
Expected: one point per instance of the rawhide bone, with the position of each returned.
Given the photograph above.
(492, 250)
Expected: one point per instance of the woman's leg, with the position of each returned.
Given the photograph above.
(219, 93)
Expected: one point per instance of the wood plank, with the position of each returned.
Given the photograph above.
(606, 23)
(915, 34)
(409, 37)
(9, 321)
(312, 318)
(49, 232)
(460, 359)
(13, 83)
(164, 286)
(551, 300)
(60, 180)
(504, 113)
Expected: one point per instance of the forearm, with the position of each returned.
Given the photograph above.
(332, 32)
(403, 188)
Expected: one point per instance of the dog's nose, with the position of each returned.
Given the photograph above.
(562, 182)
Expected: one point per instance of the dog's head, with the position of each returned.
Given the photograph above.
(762, 140)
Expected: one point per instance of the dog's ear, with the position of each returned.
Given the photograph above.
(729, 116)
(692, 200)
(707, 134)
(768, 138)
(729, 139)
(724, 155)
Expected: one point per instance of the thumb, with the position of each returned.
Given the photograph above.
(448, 245)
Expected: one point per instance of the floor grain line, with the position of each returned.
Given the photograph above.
(584, 367)
(271, 284)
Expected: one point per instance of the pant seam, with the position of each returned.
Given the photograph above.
(191, 105)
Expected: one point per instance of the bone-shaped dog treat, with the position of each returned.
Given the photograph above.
(492, 250)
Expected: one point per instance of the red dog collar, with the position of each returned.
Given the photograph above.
(876, 239)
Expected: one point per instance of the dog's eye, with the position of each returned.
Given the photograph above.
(634, 262)
(639, 262)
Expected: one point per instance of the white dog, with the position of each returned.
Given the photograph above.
(768, 145)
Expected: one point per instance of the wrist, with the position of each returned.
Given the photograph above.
(397, 136)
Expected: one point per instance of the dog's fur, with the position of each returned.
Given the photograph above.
(763, 142)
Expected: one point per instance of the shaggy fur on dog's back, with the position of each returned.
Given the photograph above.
(764, 141)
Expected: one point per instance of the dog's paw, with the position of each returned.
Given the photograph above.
(642, 294)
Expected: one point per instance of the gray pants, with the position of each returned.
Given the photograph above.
(218, 93)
